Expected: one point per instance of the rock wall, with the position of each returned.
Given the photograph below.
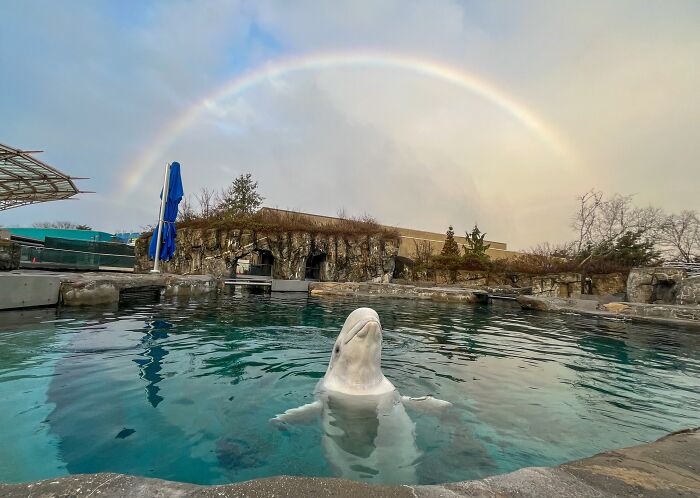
(9, 255)
(654, 285)
(606, 284)
(687, 291)
(216, 251)
(552, 285)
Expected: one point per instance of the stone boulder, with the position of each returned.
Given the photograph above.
(688, 291)
(9, 255)
(608, 284)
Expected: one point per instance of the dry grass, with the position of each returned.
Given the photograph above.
(285, 221)
(535, 264)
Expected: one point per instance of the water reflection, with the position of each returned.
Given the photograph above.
(150, 367)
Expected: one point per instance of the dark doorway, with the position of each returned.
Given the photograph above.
(403, 268)
(314, 265)
(256, 263)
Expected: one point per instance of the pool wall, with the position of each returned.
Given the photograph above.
(667, 467)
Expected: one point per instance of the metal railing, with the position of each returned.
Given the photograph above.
(681, 265)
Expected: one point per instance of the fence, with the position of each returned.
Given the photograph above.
(78, 255)
(693, 268)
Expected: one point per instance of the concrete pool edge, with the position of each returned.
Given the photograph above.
(667, 467)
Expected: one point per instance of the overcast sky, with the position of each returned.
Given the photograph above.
(97, 85)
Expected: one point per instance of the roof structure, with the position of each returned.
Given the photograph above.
(26, 180)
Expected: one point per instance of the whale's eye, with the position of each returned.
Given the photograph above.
(337, 349)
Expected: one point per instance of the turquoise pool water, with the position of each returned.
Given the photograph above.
(183, 390)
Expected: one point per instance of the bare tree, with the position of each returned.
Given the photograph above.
(207, 200)
(186, 210)
(602, 220)
(423, 253)
(585, 217)
(56, 224)
(617, 216)
(561, 250)
(680, 236)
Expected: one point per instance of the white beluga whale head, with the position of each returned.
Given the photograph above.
(356, 360)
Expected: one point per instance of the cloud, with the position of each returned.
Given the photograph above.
(93, 84)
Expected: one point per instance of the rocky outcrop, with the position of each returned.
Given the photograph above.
(606, 284)
(688, 291)
(216, 251)
(652, 285)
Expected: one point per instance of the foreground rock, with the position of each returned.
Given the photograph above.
(448, 294)
(669, 467)
(44, 288)
(661, 313)
(87, 289)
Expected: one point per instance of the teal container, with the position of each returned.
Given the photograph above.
(63, 233)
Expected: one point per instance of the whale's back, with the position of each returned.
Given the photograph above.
(370, 438)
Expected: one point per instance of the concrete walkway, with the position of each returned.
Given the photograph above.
(669, 467)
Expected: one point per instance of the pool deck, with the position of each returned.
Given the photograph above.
(32, 288)
(668, 467)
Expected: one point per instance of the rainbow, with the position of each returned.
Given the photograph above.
(152, 155)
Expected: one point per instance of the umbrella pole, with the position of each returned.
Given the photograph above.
(163, 200)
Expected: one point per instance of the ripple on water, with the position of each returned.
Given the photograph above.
(184, 390)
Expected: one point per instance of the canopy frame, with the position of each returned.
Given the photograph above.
(25, 180)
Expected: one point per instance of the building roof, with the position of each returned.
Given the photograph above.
(26, 180)
(40, 234)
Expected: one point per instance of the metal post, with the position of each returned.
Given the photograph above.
(164, 198)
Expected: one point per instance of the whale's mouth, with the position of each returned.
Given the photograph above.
(360, 329)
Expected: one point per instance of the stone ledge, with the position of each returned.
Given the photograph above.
(667, 467)
(98, 288)
(82, 289)
(670, 314)
(447, 294)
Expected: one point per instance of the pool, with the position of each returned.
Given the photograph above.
(184, 389)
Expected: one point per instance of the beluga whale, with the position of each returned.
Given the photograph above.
(367, 434)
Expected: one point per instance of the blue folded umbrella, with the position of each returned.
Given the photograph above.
(175, 193)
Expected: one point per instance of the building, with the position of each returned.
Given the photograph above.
(40, 234)
(412, 242)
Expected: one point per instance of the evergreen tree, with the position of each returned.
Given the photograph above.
(241, 197)
(475, 243)
(450, 247)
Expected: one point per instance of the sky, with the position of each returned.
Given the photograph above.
(419, 113)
